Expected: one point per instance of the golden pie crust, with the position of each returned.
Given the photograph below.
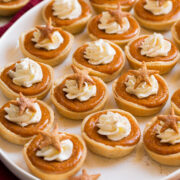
(40, 88)
(51, 57)
(101, 145)
(163, 153)
(106, 72)
(73, 26)
(105, 5)
(21, 135)
(162, 64)
(140, 107)
(157, 23)
(74, 109)
(175, 101)
(175, 35)
(53, 170)
(10, 8)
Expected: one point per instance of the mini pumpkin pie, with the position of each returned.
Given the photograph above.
(114, 25)
(111, 133)
(175, 101)
(22, 118)
(46, 44)
(101, 58)
(85, 176)
(55, 155)
(104, 5)
(27, 76)
(10, 7)
(141, 92)
(157, 14)
(162, 139)
(158, 53)
(71, 15)
(175, 30)
(78, 95)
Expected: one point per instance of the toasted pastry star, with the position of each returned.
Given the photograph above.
(161, 2)
(46, 31)
(85, 176)
(170, 121)
(118, 14)
(81, 76)
(142, 75)
(51, 138)
(24, 103)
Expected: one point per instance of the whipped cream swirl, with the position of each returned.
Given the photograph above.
(99, 52)
(57, 40)
(27, 72)
(114, 126)
(169, 135)
(156, 9)
(143, 90)
(67, 9)
(112, 27)
(155, 45)
(83, 94)
(49, 153)
(28, 117)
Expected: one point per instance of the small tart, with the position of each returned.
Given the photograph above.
(104, 5)
(39, 90)
(140, 106)
(54, 169)
(164, 153)
(73, 26)
(120, 39)
(52, 57)
(11, 7)
(161, 63)
(101, 145)
(156, 22)
(175, 30)
(106, 72)
(17, 134)
(175, 101)
(74, 108)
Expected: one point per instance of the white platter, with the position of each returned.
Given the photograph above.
(136, 166)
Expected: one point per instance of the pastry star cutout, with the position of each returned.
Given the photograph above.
(170, 121)
(46, 31)
(85, 176)
(51, 138)
(118, 14)
(143, 74)
(81, 76)
(25, 103)
(161, 2)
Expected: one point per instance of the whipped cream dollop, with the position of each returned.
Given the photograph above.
(114, 126)
(28, 117)
(156, 9)
(112, 27)
(143, 90)
(83, 94)
(155, 45)
(99, 52)
(27, 72)
(47, 44)
(49, 153)
(169, 135)
(67, 9)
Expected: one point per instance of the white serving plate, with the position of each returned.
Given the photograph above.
(136, 166)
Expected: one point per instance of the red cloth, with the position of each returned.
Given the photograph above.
(5, 174)
(18, 15)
